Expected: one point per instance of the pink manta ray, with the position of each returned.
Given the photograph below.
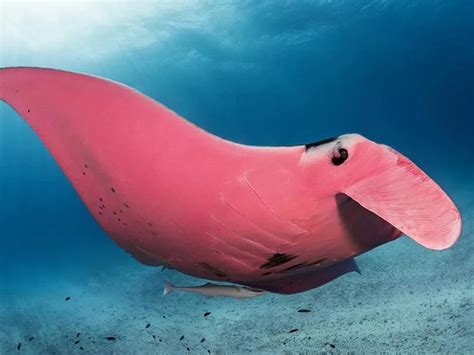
(281, 219)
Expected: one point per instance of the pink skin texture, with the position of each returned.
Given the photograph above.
(281, 219)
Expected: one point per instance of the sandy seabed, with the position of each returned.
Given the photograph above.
(408, 299)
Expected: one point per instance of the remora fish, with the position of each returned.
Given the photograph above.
(212, 290)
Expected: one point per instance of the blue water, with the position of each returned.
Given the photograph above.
(260, 73)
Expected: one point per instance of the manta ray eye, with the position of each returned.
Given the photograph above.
(340, 157)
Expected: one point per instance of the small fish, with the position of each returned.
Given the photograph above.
(304, 310)
(211, 290)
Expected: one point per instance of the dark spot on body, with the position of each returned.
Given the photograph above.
(213, 269)
(84, 173)
(277, 259)
(154, 336)
(181, 338)
(18, 347)
(125, 224)
(112, 189)
(318, 143)
(100, 213)
(302, 265)
(100, 199)
(293, 267)
(331, 345)
(126, 205)
(118, 219)
(77, 335)
(203, 340)
(28, 110)
(148, 326)
(67, 298)
(81, 348)
(31, 338)
(304, 310)
(85, 166)
(115, 213)
(111, 338)
(121, 211)
(293, 330)
(77, 342)
(188, 349)
(206, 314)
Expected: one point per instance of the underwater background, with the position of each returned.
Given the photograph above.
(261, 73)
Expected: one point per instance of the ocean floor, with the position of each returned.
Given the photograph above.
(408, 299)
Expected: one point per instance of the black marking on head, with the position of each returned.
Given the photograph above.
(277, 259)
(318, 143)
(213, 269)
(343, 155)
(112, 189)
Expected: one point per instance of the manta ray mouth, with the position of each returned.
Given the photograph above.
(399, 192)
